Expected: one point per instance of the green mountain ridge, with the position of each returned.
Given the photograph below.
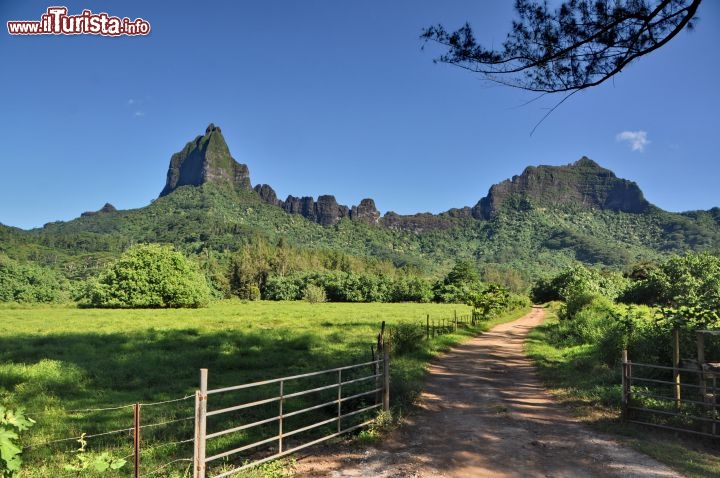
(583, 184)
(527, 227)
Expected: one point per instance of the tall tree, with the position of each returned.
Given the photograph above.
(580, 44)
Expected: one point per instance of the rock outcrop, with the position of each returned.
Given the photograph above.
(267, 194)
(103, 210)
(583, 184)
(206, 159)
(365, 211)
(328, 212)
(325, 211)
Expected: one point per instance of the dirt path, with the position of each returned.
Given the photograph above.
(484, 413)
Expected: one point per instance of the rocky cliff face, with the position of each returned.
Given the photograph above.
(206, 159)
(365, 211)
(325, 211)
(582, 184)
(267, 194)
(328, 212)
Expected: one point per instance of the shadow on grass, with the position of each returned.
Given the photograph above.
(54, 375)
(158, 364)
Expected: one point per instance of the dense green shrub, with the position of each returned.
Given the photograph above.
(406, 338)
(314, 294)
(590, 315)
(593, 321)
(690, 280)
(30, 283)
(283, 288)
(149, 276)
(489, 300)
(610, 328)
(348, 287)
(578, 286)
(460, 285)
(633, 329)
(456, 293)
(686, 293)
(517, 301)
(411, 289)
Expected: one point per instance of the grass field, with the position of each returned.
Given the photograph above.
(55, 360)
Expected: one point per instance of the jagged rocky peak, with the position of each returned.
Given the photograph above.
(365, 211)
(267, 194)
(325, 211)
(103, 210)
(582, 184)
(206, 159)
(328, 212)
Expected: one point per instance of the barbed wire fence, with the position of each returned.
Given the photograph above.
(157, 442)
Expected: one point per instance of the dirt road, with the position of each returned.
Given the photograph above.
(485, 414)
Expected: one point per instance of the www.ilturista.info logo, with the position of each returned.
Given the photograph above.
(57, 22)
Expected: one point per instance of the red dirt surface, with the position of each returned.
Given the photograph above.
(484, 413)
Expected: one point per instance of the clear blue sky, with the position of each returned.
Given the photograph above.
(329, 97)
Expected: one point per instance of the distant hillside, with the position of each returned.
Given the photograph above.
(526, 227)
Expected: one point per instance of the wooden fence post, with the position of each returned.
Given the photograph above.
(427, 327)
(700, 339)
(625, 386)
(136, 439)
(200, 425)
(381, 337)
(455, 326)
(676, 366)
(386, 377)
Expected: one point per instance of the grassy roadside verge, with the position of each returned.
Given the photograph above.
(578, 380)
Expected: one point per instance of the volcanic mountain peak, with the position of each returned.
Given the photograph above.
(583, 183)
(206, 159)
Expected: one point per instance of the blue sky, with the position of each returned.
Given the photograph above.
(330, 97)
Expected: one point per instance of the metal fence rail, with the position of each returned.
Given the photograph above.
(354, 391)
(671, 398)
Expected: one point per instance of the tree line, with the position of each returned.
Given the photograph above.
(637, 310)
(158, 276)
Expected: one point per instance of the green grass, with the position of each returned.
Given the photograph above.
(55, 359)
(591, 390)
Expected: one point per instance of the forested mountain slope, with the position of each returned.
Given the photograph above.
(525, 227)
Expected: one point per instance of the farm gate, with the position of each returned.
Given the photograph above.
(294, 413)
(683, 399)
